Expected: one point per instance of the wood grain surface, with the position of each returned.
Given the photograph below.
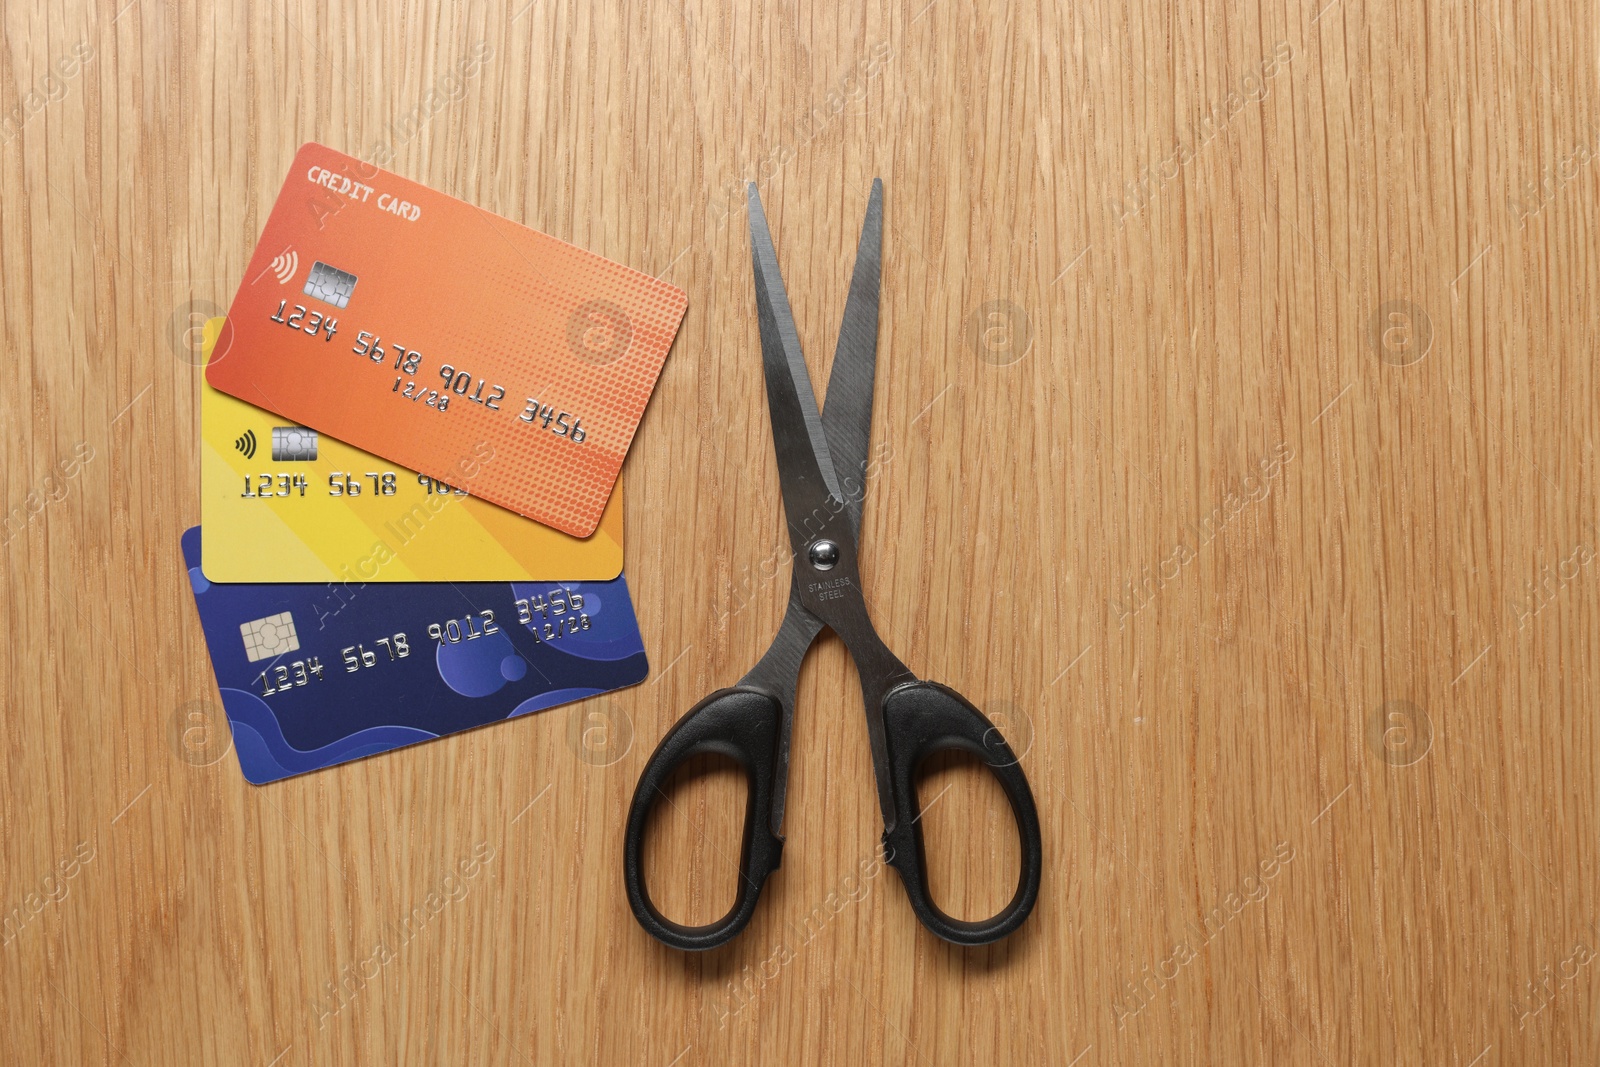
(1238, 405)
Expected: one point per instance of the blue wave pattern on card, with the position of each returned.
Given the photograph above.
(372, 691)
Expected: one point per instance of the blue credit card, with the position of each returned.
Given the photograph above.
(318, 674)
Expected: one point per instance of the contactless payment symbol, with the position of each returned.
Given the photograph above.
(284, 265)
(562, 347)
(269, 637)
(330, 284)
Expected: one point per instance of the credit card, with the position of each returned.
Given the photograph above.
(420, 328)
(314, 675)
(282, 503)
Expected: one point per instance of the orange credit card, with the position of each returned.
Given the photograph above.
(417, 327)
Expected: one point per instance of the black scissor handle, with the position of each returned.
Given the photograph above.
(924, 718)
(743, 724)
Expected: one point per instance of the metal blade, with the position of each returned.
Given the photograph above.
(847, 411)
(805, 466)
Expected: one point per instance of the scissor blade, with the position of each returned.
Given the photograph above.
(804, 464)
(847, 412)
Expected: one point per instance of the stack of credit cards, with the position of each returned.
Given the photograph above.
(413, 420)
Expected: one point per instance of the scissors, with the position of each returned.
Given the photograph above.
(822, 460)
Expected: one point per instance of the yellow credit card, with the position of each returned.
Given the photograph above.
(282, 503)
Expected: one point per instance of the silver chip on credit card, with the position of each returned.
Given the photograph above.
(293, 444)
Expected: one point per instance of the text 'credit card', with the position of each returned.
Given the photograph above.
(422, 329)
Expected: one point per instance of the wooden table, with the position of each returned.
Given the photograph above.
(1237, 391)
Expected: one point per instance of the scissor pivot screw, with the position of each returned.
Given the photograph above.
(824, 555)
